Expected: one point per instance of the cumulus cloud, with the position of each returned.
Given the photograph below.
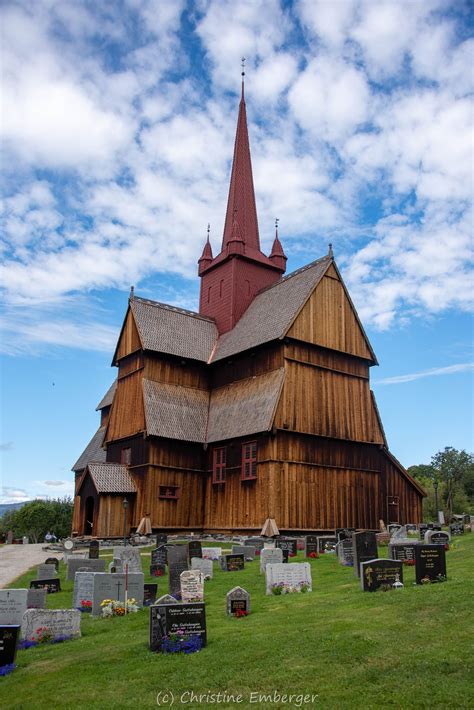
(118, 131)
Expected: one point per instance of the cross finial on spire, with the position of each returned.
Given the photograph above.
(208, 230)
(243, 74)
(132, 290)
(330, 251)
(276, 224)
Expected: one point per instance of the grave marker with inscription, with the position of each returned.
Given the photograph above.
(192, 586)
(326, 543)
(345, 552)
(238, 599)
(94, 548)
(204, 566)
(13, 604)
(403, 551)
(59, 622)
(430, 563)
(194, 549)
(378, 573)
(364, 548)
(129, 556)
(112, 586)
(287, 543)
(311, 545)
(73, 565)
(166, 619)
(149, 594)
(271, 556)
(177, 563)
(212, 553)
(36, 598)
(246, 550)
(9, 637)
(46, 571)
(232, 563)
(293, 576)
(52, 586)
(83, 588)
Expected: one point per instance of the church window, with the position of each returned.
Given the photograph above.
(126, 456)
(218, 464)
(170, 492)
(249, 460)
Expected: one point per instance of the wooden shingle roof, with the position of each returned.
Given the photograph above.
(111, 478)
(108, 397)
(92, 452)
(188, 414)
(272, 311)
(174, 331)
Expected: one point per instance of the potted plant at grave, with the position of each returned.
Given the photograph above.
(313, 555)
(112, 607)
(304, 587)
(181, 642)
(86, 605)
(240, 613)
(277, 588)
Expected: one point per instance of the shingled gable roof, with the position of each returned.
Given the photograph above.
(239, 409)
(92, 452)
(272, 311)
(110, 478)
(108, 397)
(171, 330)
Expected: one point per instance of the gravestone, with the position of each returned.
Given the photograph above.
(345, 552)
(46, 571)
(68, 544)
(115, 566)
(257, 542)
(238, 600)
(94, 547)
(59, 622)
(129, 556)
(246, 550)
(36, 598)
(430, 563)
(232, 563)
(456, 528)
(212, 553)
(13, 604)
(311, 545)
(161, 539)
(326, 543)
(192, 586)
(165, 599)
(204, 566)
(411, 528)
(73, 565)
(149, 594)
(403, 551)
(437, 537)
(83, 588)
(112, 586)
(177, 563)
(51, 585)
(273, 556)
(52, 561)
(167, 619)
(380, 572)
(158, 561)
(393, 528)
(194, 549)
(9, 637)
(287, 543)
(344, 533)
(292, 575)
(364, 548)
(422, 528)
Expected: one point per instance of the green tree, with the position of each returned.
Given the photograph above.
(36, 518)
(455, 470)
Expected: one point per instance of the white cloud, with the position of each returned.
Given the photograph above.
(13, 495)
(433, 372)
(7, 446)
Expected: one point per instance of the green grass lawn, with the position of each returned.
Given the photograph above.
(411, 648)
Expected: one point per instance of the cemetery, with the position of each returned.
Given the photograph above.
(184, 630)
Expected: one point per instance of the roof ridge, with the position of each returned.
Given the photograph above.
(175, 309)
(306, 267)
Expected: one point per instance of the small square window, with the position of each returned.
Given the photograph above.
(169, 492)
(249, 461)
(219, 458)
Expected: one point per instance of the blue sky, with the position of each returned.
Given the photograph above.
(117, 130)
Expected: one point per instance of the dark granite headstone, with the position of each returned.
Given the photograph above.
(52, 561)
(51, 585)
(402, 551)
(177, 563)
(326, 543)
(238, 600)
(257, 542)
(161, 539)
(430, 563)
(167, 619)
(456, 528)
(94, 547)
(422, 528)
(311, 545)
(149, 594)
(9, 636)
(287, 543)
(364, 548)
(437, 537)
(158, 561)
(393, 528)
(377, 573)
(232, 563)
(194, 549)
(344, 533)
(411, 528)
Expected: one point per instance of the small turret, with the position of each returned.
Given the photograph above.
(277, 255)
(206, 256)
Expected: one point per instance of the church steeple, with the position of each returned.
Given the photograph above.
(231, 280)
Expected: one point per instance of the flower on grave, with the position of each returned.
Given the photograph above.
(5, 670)
(112, 607)
(426, 580)
(181, 642)
(409, 563)
(86, 605)
(277, 588)
(313, 555)
(304, 587)
(42, 635)
(240, 613)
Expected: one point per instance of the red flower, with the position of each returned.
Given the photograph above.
(313, 555)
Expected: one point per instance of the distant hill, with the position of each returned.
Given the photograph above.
(5, 507)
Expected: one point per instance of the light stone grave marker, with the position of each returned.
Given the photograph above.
(112, 586)
(293, 575)
(73, 565)
(270, 556)
(59, 622)
(192, 586)
(204, 566)
(13, 604)
(130, 556)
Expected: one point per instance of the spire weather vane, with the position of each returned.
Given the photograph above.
(243, 65)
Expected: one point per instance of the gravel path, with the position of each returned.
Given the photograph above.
(17, 559)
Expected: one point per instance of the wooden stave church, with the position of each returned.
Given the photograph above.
(259, 406)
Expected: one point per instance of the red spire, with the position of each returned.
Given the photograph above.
(277, 255)
(241, 199)
(206, 256)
